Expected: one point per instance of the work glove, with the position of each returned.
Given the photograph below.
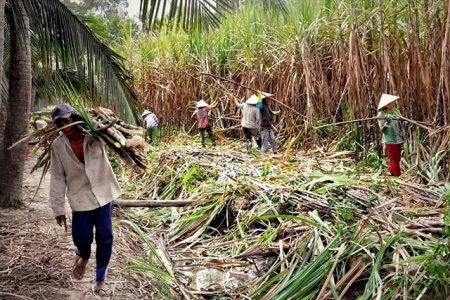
(389, 118)
(260, 96)
(277, 112)
(235, 100)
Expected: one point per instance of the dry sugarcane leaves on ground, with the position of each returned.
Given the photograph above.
(253, 215)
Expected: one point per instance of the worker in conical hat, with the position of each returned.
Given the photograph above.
(201, 114)
(266, 114)
(251, 120)
(151, 124)
(392, 132)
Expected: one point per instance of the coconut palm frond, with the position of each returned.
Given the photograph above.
(186, 14)
(64, 42)
(194, 13)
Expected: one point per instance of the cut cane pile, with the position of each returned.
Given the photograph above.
(125, 141)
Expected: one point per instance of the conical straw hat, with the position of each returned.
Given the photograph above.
(146, 112)
(254, 99)
(266, 95)
(201, 103)
(386, 99)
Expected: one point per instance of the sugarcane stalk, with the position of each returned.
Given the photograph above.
(251, 89)
(103, 127)
(129, 132)
(128, 126)
(376, 118)
(108, 140)
(138, 162)
(136, 156)
(117, 135)
(152, 203)
(112, 132)
(27, 138)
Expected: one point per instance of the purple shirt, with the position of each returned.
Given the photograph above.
(151, 121)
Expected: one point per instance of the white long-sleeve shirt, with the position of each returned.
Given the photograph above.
(87, 186)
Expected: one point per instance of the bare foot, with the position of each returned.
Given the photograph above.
(102, 289)
(80, 268)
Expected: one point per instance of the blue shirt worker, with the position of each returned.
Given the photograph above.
(267, 135)
(80, 171)
(151, 124)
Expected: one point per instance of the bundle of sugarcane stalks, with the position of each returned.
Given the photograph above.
(125, 141)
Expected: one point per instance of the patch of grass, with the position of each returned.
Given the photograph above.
(14, 203)
(192, 176)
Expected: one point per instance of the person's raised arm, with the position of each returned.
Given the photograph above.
(384, 122)
(238, 105)
(260, 104)
(275, 112)
(194, 115)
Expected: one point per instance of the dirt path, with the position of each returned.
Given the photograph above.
(36, 255)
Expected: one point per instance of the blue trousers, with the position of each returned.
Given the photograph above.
(83, 224)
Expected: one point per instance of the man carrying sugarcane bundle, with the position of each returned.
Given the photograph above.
(392, 132)
(151, 124)
(251, 119)
(81, 171)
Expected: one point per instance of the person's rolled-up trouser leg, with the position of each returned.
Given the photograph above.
(149, 136)
(256, 133)
(265, 135)
(211, 135)
(82, 233)
(273, 142)
(155, 136)
(202, 135)
(248, 137)
(103, 238)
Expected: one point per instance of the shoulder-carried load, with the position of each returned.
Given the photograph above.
(126, 141)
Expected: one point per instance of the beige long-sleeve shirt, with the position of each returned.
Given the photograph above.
(251, 116)
(87, 186)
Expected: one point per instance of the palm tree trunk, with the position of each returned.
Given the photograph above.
(19, 104)
(2, 48)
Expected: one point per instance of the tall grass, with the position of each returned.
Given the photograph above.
(355, 52)
(327, 60)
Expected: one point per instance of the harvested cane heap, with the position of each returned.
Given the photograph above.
(124, 140)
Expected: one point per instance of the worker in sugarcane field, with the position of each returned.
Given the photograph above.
(151, 124)
(392, 132)
(267, 134)
(201, 114)
(251, 119)
(80, 170)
